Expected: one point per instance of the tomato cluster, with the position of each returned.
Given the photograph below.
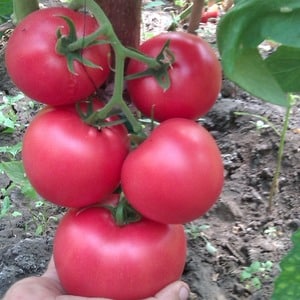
(174, 176)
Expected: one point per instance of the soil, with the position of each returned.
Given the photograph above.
(236, 232)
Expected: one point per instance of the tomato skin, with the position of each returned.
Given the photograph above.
(121, 263)
(175, 175)
(69, 162)
(195, 79)
(40, 72)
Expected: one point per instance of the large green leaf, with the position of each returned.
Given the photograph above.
(285, 67)
(15, 171)
(6, 9)
(243, 29)
(287, 285)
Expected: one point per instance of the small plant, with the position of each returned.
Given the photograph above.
(260, 123)
(40, 218)
(8, 116)
(6, 205)
(271, 231)
(195, 231)
(252, 276)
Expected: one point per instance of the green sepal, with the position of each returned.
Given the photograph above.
(123, 212)
(63, 41)
(97, 122)
(165, 59)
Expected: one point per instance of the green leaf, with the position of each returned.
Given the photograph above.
(287, 284)
(6, 9)
(12, 150)
(284, 64)
(243, 29)
(15, 171)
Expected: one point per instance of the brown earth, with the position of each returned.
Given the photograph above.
(236, 232)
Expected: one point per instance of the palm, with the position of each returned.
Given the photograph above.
(48, 287)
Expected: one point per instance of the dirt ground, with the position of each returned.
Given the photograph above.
(236, 232)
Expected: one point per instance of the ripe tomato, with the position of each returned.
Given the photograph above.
(69, 162)
(40, 72)
(211, 12)
(122, 263)
(195, 79)
(175, 175)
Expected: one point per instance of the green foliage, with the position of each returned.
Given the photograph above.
(180, 3)
(252, 275)
(11, 151)
(37, 208)
(15, 171)
(243, 29)
(6, 9)
(195, 231)
(287, 285)
(8, 115)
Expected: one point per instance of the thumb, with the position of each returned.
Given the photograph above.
(177, 290)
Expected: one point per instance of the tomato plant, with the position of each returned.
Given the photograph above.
(41, 72)
(176, 174)
(195, 76)
(69, 162)
(123, 263)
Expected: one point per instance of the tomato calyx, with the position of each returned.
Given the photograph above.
(123, 213)
(63, 46)
(93, 118)
(165, 60)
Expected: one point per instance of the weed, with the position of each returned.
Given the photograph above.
(252, 276)
(271, 231)
(8, 115)
(195, 231)
(40, 217)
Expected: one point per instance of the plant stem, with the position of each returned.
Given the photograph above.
(274, 186)
(177, 19)
(121, 53)
(195, 16)
(264, 119)
(23, 8)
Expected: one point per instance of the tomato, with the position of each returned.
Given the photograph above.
(211, 12)
(96, 258)
(176, 174)
(40, 72)
(195, 79)
(69, 162)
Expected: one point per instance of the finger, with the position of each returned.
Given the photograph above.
(175, 291)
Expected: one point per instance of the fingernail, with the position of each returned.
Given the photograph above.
(184, 293)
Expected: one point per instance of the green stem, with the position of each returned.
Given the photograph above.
(107, 30)
(85, 41)
(264, 119)
(23, 8)
(123, 213)
(121, 53)
(274, 186)
(177, 19)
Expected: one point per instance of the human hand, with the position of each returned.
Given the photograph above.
(48, 287)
